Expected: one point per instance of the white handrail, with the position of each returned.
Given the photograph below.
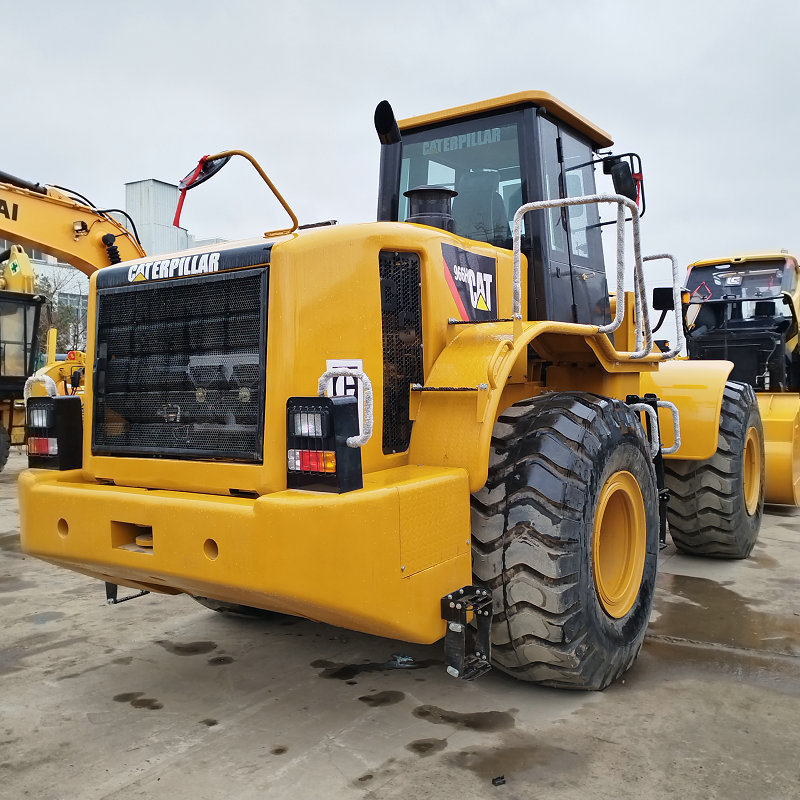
(676, 303)
(655, 441)
(638, 276)
(347, 372)
(49, 385)
(676, 426)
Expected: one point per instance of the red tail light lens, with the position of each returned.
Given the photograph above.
(311, 461)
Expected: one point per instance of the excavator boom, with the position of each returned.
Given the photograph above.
(60, 225)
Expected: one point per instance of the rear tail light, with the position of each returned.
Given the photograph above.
(311, 461)
(317, 455)
(42, 446)
(54, 432)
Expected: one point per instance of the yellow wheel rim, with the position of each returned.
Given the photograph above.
(751, 471)
(619, 543)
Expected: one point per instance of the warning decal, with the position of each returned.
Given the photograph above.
(472, 282)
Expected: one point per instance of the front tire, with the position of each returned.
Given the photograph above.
(565, 534)
(716, 505)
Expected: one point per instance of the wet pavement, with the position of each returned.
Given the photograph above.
(160, 697)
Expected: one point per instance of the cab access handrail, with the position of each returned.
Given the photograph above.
(359, 374)
(638, 276)
(676, 302)
(49, 385)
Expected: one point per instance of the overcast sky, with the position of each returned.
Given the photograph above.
(97, 94)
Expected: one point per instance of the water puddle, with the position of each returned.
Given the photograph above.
(702, 610)
(346, 672)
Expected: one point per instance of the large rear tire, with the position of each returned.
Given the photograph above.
(716, 505)
(565, 534)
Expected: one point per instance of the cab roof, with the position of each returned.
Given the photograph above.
(553, 105)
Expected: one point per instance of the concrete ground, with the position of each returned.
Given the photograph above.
(160, 697)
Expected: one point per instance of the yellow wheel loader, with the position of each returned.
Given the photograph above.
(745, 309)
(439, 425)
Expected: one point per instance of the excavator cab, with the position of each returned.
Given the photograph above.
(493, 161)
(742, 311)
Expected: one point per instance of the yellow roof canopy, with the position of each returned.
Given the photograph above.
(544, 100)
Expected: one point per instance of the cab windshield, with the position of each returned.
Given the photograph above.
(755, 281)
(480, 160)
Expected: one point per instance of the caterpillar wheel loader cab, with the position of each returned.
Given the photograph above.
(745, 310)
(402, 427)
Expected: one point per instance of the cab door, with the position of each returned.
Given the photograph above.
(572, 234)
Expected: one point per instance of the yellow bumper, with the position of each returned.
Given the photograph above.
(376, 560)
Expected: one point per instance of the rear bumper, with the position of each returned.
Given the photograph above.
(376, 560)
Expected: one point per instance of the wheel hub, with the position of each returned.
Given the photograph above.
(751, 472)
(619, 543)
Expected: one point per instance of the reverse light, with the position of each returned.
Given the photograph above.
(317, 455)
(307, 423)
(40, 416)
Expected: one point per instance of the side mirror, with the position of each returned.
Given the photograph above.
(205, 169)
(621, 176)
(662, 298)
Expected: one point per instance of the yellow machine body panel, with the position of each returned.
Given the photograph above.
(367, 560)
(323, 305)
(696, 387)
(780, 415)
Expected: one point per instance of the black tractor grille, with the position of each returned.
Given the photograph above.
(401, 306)
(180, 368)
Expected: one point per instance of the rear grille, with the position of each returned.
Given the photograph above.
(401, 307)
(180, 368)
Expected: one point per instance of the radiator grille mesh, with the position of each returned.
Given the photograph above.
(401, 307)
(180, 368)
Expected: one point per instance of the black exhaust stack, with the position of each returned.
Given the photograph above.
(431, 205)
(391, 159)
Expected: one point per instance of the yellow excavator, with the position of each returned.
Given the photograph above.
(438, 425)
(745, 309)
(65, 225)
